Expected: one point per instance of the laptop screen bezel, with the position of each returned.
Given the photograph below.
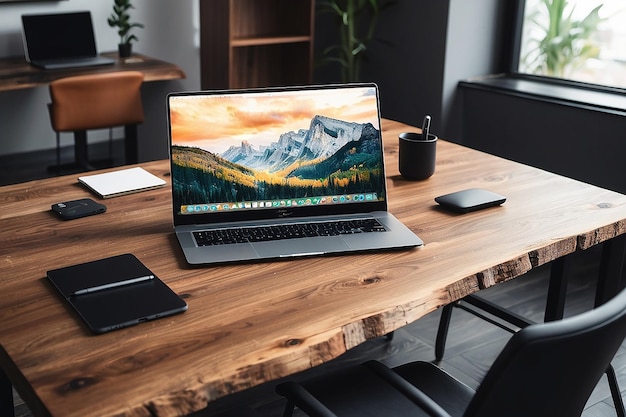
(281, 212)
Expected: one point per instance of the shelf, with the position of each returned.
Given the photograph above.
(268, 40)
(256, 43)
(269, 65)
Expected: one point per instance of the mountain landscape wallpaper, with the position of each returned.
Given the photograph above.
(308, 156)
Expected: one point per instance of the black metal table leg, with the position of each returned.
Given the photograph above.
(131, 144)
(557, 288)
(442, 331)
(81, 154)
(616, 395)
(6, 396)
(611, 269)
(609, 284)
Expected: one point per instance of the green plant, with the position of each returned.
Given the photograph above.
(120, 18)
(564, 43)
(356, 21)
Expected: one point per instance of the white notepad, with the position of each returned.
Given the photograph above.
(125, 181)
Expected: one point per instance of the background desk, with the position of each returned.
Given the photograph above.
(16, 73)
(248, 324)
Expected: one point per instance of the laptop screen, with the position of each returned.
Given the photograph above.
(58, 36)
(267, 152)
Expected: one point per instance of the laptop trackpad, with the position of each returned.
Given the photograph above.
(300, 247)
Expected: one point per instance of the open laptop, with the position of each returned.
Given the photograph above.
(252, 168)
(63, 40)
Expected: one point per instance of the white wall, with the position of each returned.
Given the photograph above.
(423, 49)
(171, 33)
(472, 40)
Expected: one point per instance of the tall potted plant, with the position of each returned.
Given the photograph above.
(356, 20)
(120, 18)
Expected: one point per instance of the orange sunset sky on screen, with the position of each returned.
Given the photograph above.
(260, 119)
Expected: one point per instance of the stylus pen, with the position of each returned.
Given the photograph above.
(426, 127)
(113, 285)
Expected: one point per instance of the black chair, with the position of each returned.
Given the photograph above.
(546, 369)
(609, 283)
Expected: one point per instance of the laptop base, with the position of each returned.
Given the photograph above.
(66, 64)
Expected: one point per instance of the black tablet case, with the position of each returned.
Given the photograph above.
(119, 307)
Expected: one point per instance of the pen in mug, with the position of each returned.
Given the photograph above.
(426, 127)
(113, 285)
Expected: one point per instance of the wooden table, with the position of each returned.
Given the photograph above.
(248, 324)
(16, 73)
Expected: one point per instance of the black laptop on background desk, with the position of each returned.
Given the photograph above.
(63, 40)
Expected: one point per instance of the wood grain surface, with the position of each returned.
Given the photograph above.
(256, 322)
(17, 74)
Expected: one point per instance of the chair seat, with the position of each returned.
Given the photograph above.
(359, 391)
(451, 394)
(356, 392)
(97, 101)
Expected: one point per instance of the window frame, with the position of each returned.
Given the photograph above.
(515, 46)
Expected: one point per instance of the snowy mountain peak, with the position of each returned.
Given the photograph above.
(323, 138)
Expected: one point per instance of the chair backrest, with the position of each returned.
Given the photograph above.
(96, 101)
(550, 369)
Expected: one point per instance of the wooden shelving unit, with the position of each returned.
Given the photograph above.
(256, 43)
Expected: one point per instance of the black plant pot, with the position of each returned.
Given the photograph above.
(125, 49)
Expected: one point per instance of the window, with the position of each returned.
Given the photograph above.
(576, 40)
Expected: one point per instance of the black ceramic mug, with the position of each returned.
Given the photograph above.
(416, 156)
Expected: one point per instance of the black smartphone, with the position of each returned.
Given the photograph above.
(76, 209)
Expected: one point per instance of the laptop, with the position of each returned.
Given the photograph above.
(58, 41)
(279, 173)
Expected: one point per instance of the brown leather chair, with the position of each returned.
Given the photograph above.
(97, 101)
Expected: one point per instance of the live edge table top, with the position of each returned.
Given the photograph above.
(17, 74)
(252, 323)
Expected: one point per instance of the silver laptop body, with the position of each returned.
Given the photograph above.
(260, 158)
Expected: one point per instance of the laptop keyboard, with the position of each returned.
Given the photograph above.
(287, 231)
